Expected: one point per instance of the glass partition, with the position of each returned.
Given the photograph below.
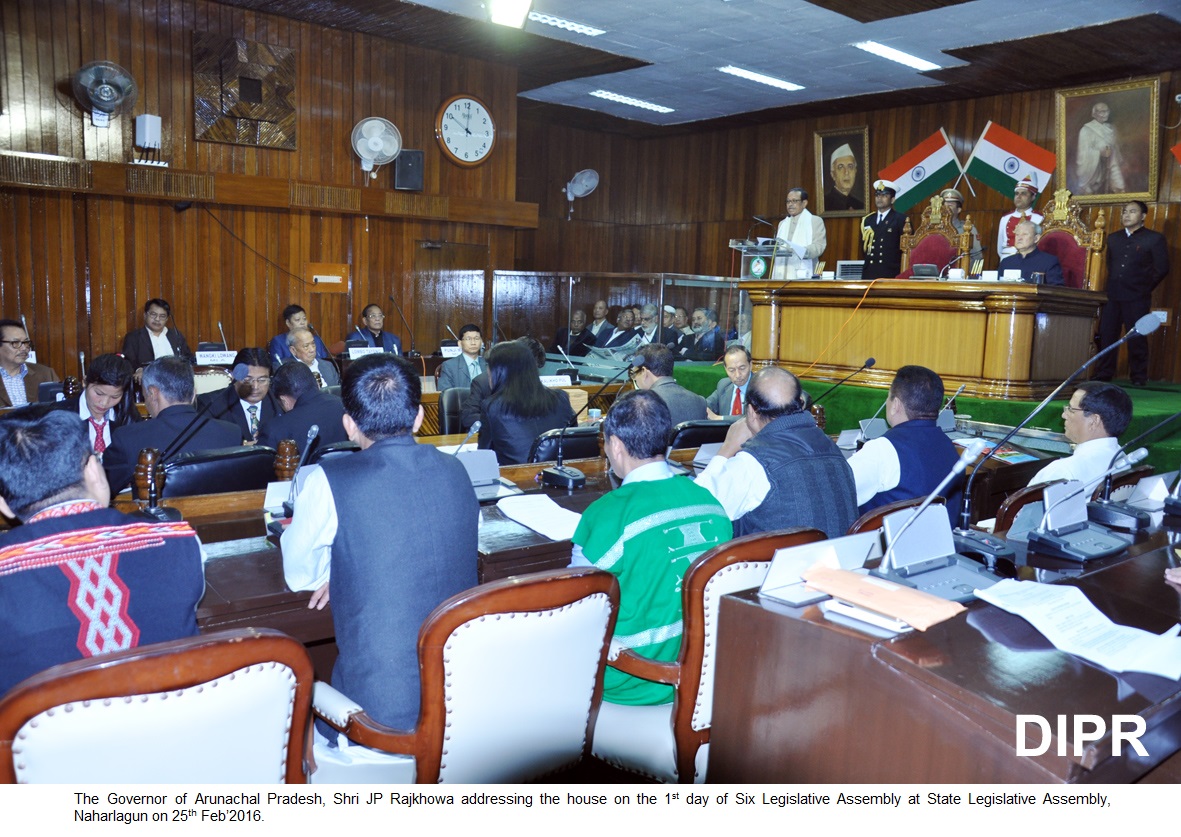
(599, 319)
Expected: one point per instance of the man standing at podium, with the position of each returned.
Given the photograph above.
(802, 238)
(881, 235)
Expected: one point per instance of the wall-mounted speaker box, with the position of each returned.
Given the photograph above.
(408, 171)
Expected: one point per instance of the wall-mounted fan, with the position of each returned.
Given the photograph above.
(580, 185)
(377, 141)
(105, 89)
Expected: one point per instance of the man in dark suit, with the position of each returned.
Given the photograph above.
(881, 235)
(248, 401)
(168, 394)
(1137, 261)
(303, 405)
(654, 372)
(302, 344)
(155, 339)
(722, 403)
(623, 333)
(577, 339)
(705, 343)
(373, 331)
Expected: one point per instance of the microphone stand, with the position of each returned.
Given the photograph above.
(968, 540)
(869, 362)
(562, 476)
(476, 425)
(413, 353)
(289, 503)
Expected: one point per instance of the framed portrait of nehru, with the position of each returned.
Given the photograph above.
(1107, 140)
(842, 176)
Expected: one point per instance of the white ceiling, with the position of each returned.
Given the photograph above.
(685, 41)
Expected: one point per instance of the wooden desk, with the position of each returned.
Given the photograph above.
(999, 338)
(801, 699)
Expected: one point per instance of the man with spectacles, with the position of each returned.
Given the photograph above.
(802, 238)
(155, 339)
(1095, 417)
(373, 331)
(19, 377)
(247, 401)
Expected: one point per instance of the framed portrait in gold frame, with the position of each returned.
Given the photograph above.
(842, 172)
(1108, 138)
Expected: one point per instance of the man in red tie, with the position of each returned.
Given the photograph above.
(729, 399)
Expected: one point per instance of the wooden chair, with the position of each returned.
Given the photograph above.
(670, 742)
(872, 519)
(229, 707)
(936, 240)
(512, 677)
(1016, 501)
(210, 379)
(1122, 485)
(1079, 250)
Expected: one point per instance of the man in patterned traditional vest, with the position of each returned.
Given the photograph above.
(647, 532)
(78, 579)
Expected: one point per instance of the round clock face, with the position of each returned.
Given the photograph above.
(465, 130)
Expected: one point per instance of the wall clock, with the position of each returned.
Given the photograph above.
(465, 130)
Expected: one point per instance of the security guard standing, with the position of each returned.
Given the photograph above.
(881, 234)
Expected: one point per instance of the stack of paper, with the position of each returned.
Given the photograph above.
(541, 514)
(1067, 618)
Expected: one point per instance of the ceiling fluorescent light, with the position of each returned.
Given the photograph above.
(760, 78)
(568, 25)
(906, 58)
(509, 12)
(628, 100)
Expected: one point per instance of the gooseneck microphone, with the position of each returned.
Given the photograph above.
(475, 429)
(452, 333)
(289, 504)
(759, 219)
(869, 362)
(569, 363)
(964, 534)
(561, 476)
(1119, 515)
(413, 351)
(225, 343)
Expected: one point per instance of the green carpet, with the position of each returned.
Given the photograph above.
(849, 404)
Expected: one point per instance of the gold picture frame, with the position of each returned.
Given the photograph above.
(831, 200)
(1108, 140)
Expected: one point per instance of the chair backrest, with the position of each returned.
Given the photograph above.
(242, 468)
(739, 564)
(872, 519)
(229, 707)
(577, 443)
(936, 240)
(335, 450)
(1079, 248)
(1018, 500)
(450, 405)
(694, 434)
(210, 379)
(512, 676)
(1122, 485)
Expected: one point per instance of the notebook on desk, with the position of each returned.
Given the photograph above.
(924, 557)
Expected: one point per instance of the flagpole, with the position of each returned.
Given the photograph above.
(972, 157)
(947, 139)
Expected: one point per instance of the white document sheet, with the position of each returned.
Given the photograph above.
(1066, 617)
(541, 514)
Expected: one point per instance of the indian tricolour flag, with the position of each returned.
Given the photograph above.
(922, 170)
(1001, 159)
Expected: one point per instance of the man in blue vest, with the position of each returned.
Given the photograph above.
(777, 468)
(915, 455)
(359, 520)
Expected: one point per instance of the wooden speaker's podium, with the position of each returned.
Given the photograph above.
(758, 260)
